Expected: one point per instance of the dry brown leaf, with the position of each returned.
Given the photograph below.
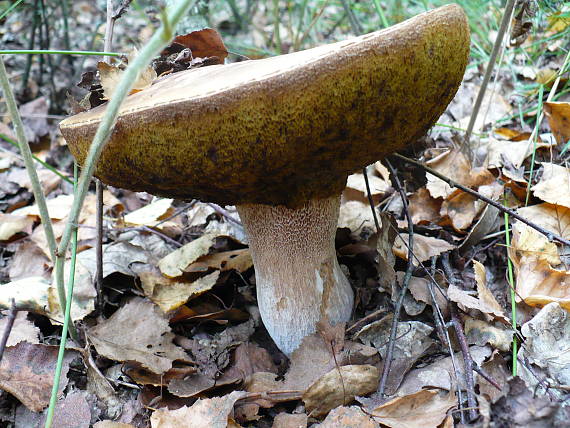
(174, 264)
(239, 260)
(483, 293)
(551, 217)
(151, 214)
(423, 208)
(58, 208)
(480, 333)
(29, 260)
(348, 417)
(558, 114)
(27, 371)
(456, 166)
(339, 386)
(149, 339)
(23, 330)
(11, 225)
(205, 43)
(467, 301)
(170, 294)
(111, 76)
(356, 188)
(356, 216)
(527, 242)
(425, 247)
(205, 413)
(461, 208)
(502, 153)
(426, 408)
(554, 185)
(538, 284)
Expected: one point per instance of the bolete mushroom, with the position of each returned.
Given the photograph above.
(278, 137)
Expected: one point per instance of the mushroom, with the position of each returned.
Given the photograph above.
(278, 137)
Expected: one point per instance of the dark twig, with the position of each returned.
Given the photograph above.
(405, 282)
(486, 376)
(370, 200)
(468, 363)
(8, 329)
(549, 235)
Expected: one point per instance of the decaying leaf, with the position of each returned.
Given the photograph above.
(11, 225)
(205, 43)
(23, 330)
(150, 214)
(149, 339)
(426, 408)
(424, 209)
(27, 371)
(467, 301)
(547, 342)
(528, 243)
(205, 413)
(551, 217)
(481, 333)
(425, 247)
(339, 387)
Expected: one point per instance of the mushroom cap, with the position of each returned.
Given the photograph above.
(284, 129)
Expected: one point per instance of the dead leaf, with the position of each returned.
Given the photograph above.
(34, 116)
(205, 413)
(151, 214)
(29, 260)
(558, 114)
(27, 371)
(425, 247)
(481, 333)
(111, 424)
(149, 341)
(239, 260)
(205, 43)
(426, 408)
(174, 264)
(347, 417)
(527, 242)
(423, 208)
(111, 76)
(339, 387)
(551, 217)
(23, 330)
(170, 294)
(467, 301)
(554, 185)
(483, 293)
(11, 225)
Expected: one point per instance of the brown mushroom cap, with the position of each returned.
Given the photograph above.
(285, 129)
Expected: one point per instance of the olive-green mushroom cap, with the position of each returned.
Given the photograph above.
(285, 129)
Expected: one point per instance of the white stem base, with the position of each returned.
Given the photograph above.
(299, 281)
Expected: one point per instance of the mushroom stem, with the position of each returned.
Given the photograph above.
(299, 281)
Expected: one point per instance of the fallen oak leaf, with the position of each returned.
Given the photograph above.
(205, 43)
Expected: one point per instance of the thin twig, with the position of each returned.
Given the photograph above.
(8, 329)
(405, 283)
(224, 213)
(370, 200)
(550, 235)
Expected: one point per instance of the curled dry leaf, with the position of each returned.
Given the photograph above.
(111, 76)
(149, 339)
(481, 333)
(467, 301)
(483, 293)
(426, 408)
(528, 243)
(170, 294)
(558, 115)
(425, 247)
(554, 185)
(205, 413)
(339, 386)
(205, 43)
(151, 214)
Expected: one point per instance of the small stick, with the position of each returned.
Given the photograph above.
(370, 201)
(8, 329)
(550, 235)
(405, 283)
